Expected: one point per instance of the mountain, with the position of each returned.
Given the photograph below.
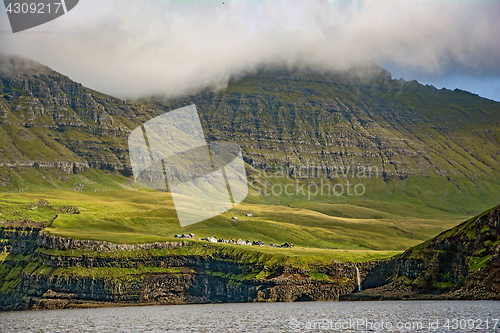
(436, 147)
(48, 120)
(433, 148)
(72, 239)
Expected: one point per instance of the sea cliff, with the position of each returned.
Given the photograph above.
(40, 271)
(460, 263)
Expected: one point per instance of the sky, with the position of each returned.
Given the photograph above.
(132, 49)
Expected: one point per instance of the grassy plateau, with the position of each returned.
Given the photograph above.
(115, 211)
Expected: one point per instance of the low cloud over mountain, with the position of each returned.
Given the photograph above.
(135, 48)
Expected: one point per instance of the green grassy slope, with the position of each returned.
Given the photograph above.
(136, 216)
(466, 257)
(435, 152)
(432, 148)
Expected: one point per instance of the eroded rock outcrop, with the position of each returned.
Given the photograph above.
(61, 272)
(285, 118)
(61, 243)
(461, 263)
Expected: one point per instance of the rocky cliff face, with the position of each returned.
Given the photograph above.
(279, 117)
(58, 272)
(60, 243)
(44, 272)
(335, 120)
(47, 120)
(461, 263)
(288, 119)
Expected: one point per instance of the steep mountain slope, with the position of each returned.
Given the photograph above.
(311, 119)
(47, 120)
(436, 148)
(439, 147)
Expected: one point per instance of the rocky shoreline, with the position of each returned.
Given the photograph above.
(40, 271)
(55, 272)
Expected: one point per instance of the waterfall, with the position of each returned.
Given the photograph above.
(359, 279)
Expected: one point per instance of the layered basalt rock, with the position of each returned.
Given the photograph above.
(61, 243)
(281, 118)
(461, 263)
(44, 272)
(60, 272)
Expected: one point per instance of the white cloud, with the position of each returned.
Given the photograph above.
(133, 48)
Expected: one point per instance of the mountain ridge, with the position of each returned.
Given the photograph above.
(280, 118)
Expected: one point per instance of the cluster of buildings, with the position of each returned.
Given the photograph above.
(232, 241)
(222, 240)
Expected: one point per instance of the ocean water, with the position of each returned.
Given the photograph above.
(391, 316)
